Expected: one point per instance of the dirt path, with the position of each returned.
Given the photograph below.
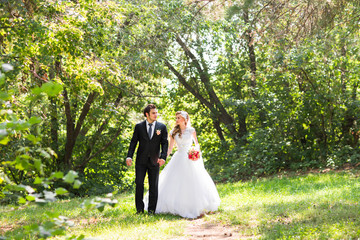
(200, 229)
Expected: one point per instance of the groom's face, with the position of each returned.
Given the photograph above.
(152, 116)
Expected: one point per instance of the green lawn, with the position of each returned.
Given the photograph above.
(311, 206)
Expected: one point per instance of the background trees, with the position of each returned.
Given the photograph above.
(270, 85)
(257, 68)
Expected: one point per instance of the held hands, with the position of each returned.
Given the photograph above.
(128, 162)
(161, 162)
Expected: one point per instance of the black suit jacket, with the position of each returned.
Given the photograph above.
(149, 148)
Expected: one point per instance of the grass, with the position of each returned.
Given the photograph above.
(311, 206)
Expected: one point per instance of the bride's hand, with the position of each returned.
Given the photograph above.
(161, 162)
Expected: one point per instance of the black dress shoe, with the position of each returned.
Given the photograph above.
(151, 212)
(140, 212)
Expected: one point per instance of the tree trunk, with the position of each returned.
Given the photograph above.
(218, 130)
(217, 107)
(88, 154)
(227, 120)
(54, 124)
(251, 53)
(72, 132)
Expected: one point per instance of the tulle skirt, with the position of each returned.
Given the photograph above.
(185, 188)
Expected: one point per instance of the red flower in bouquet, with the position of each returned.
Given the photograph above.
(194, 154)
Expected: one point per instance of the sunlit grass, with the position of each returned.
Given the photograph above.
(311, 206)
(306, 207)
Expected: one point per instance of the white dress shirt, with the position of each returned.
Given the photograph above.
(152, 128)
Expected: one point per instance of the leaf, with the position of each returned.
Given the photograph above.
(2, 79)
(61, 191)
(113, 203)
(56, 175)
(44, 153)
(70, 176)
(4, 141)
(32, 138)
(22, 200)
(19, 187)
(37, 91)
(50, 196)
(29, 189)
(77, 184)
(100, 207)
(3, 132)
(40, 201)
(38, 180)
(38, 165)
(52, 88)
(4, 96)
(87, 204)
(34, 120)
(52, 152)
(7, 67)
(30, 198)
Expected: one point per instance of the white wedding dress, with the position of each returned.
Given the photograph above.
(185, 187)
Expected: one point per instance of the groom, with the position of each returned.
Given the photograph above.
(150, 134)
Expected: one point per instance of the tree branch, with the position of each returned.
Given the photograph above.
(183, 81)
(133, 93)
(101, 150)
(69, 129)
(204, 77)
(84, 112)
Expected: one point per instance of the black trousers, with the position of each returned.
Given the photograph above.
(153, 177)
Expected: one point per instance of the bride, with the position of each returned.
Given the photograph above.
(185, 187)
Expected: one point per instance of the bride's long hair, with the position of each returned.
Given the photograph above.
(176, 129)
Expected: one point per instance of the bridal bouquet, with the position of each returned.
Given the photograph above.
(194, 154)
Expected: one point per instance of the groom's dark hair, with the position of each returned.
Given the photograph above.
(148, 108)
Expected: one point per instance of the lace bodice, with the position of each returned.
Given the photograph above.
(185, 141)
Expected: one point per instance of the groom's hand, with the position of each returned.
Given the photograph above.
(128, 162)
(161, 162)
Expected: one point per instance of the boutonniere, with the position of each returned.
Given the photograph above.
(158, 132)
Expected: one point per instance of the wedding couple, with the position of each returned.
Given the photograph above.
(184, 187)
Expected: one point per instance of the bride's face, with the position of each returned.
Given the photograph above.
(180, 120)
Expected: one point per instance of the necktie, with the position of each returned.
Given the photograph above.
(150, 131)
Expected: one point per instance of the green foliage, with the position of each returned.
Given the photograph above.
(30, 160)
(77, 65)
(296, 110)
(266, 91)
